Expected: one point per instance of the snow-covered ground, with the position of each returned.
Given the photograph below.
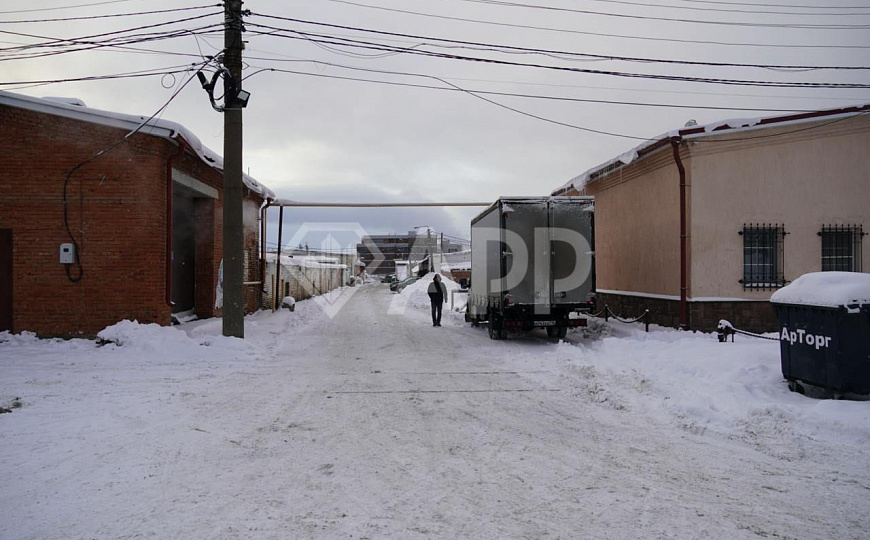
(374, 424)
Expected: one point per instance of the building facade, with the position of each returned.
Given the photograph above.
(705, 223)
(92, 238)
(379, 252)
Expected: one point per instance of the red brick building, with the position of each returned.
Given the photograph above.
(144, 220)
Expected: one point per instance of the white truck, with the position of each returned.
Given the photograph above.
(532, 265)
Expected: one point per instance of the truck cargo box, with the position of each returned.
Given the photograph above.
(532, 264)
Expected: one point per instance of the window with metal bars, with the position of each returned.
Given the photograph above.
(841, 247)
(763, 256)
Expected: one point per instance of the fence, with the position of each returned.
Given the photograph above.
(303, 277)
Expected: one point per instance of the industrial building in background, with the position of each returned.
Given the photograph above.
(133, 234)
(380, 252)
(706, 222)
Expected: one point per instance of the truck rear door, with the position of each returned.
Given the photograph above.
(570, 240)
(523, 221)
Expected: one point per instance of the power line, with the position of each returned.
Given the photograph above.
(471, 93)
(105, 150)
(126, 75)
(134, 50)
(518, 111)
(647, 17)
(496, 93)
(104, 34)
(511, 48)
(297, 59)
(667, 6)
(119, 43)
(771, 5)
(707, 80)
(65, 7)
(111, 16)
(600, 34)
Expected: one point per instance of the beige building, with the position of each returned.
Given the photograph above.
(705, 222)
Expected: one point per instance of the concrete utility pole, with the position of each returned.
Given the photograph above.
(234, 234)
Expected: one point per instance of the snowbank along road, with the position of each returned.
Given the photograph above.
(371, 425)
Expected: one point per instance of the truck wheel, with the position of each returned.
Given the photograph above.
(552, 332)
(494, 332)
(795, 386)
(561, 332)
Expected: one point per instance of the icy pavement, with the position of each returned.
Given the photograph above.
(372, 425)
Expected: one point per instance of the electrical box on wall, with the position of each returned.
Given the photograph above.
(67, 254)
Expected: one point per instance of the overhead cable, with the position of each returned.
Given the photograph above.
(607, 35)
(532, 50)
(707, 80)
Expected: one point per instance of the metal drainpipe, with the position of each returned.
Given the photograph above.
(263, 246)
(684, 304)
(181, 147)
(275, 300)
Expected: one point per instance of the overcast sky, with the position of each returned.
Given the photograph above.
(317, 138)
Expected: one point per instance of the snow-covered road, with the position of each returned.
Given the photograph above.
(371, 425)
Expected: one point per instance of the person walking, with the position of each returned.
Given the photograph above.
(437, 296)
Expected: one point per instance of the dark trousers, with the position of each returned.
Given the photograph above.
(436, 311)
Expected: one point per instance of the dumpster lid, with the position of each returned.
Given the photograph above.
(826, 289)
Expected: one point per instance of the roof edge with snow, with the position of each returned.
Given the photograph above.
(165, 129)
(708, 130)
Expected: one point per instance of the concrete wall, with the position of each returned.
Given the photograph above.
(804, 181)
(303, 282)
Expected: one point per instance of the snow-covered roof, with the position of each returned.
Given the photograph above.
(75, 108)
(461, 265)
(826, 289)
(715, 128)
(313, 261)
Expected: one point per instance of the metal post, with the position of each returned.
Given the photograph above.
(646, 319)
(276, 294)
(264, 214)
(234, 233)
(606, 312)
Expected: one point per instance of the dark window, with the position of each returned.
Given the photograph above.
(841, 248)
(763, 257)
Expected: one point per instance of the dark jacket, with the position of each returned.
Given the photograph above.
(437, 292)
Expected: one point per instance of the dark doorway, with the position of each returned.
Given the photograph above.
(5, 279)
(183, 253)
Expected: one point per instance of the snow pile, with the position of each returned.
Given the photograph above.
(7, 337)
(732, 123)
(826, 289)
(416, 297)
(67, 100)
(165, 341)
(731, 389)
(627, 157)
